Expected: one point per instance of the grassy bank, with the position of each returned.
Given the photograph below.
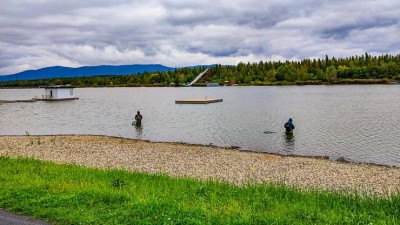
(68, 194)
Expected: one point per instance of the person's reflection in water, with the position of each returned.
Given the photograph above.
(289, 142)
(139, 130)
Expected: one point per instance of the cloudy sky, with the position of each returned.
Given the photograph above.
(42, 33)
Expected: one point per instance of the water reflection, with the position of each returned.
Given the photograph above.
(289, 142)
(139, 130)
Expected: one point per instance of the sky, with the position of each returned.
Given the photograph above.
(177, 33)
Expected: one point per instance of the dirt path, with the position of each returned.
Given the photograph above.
(7, 218)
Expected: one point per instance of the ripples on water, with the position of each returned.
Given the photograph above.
(358, 123)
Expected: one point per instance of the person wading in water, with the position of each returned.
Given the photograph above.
(289, 126)
(138, 118)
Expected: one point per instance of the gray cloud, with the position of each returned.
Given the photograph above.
(40, 33)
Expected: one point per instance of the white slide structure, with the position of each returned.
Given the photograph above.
(197, 78)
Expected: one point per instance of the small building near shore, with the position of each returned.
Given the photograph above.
(55, 93)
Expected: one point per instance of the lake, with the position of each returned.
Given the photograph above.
(356, 122)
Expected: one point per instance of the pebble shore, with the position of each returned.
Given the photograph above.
(205, 162)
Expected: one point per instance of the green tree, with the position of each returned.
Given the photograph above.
(319, 74)
(288, 71)
(331, 73)
(270, 74)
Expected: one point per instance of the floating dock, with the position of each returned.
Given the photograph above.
(55, 99)
(14, 101)
(37, 99)
(198, 100)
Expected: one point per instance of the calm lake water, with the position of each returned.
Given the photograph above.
(359, 123)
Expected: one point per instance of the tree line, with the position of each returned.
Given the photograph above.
(356, 69)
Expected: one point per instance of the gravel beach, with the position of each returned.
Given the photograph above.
(204, 162)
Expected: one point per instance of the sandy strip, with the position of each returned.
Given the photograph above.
(204, 162)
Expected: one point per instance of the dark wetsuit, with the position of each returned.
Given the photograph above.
(138, 119)
(289, 126)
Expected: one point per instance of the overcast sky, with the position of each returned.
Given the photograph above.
(41, 33)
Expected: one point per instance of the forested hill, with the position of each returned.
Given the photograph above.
(363, 69)
(62, 72)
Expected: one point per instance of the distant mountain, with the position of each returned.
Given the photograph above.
(61, 72)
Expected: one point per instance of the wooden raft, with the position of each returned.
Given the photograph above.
(198, 100)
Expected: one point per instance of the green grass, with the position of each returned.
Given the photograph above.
(68, 194)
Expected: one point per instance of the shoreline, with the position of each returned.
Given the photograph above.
(299, 83)
(205, 162)
(233, 147)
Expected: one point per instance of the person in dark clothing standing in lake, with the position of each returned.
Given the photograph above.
(138, 118)
(289, 126)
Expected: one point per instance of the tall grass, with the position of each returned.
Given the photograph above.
(68, 194)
